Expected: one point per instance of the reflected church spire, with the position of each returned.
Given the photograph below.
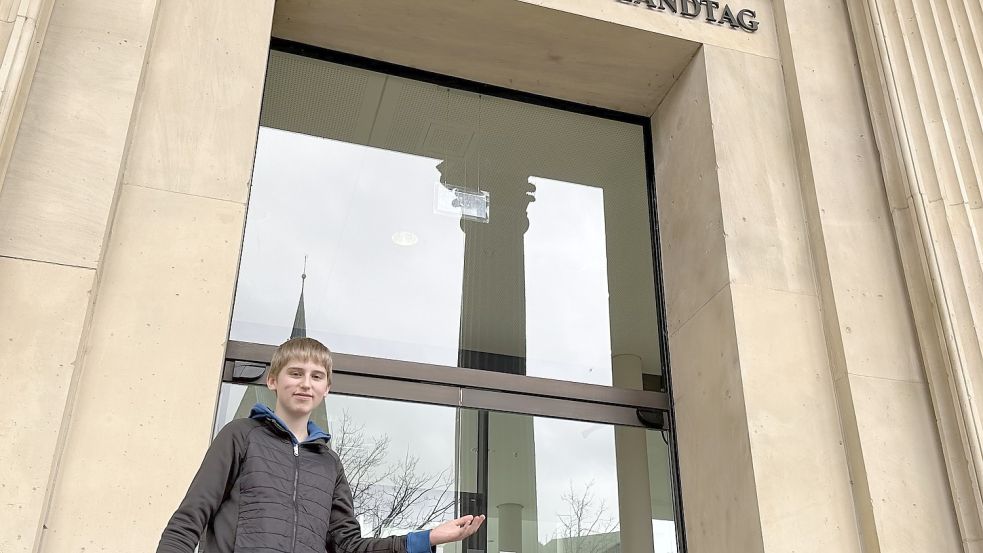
(300, 320)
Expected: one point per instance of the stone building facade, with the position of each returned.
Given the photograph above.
(818, 182)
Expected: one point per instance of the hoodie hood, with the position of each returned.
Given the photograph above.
(261, 412)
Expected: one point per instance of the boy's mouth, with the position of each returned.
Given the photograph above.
(305, 396)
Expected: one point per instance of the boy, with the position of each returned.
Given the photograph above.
(270, 482)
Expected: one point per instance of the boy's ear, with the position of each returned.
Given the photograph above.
(271, 382)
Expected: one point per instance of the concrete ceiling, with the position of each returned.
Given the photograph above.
(501, 42)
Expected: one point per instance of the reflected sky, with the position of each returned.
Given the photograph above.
(340, 204)
(567, 323)
(585, 451)
(384, 266)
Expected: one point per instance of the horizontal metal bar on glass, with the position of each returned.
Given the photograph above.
(469, 379)
(347, 384)
(418, 392)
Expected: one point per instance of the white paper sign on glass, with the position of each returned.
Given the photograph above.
(458, 202)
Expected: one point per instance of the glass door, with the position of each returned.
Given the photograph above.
(563, 486)
(547, 485)
(483, 265)
(401, 458)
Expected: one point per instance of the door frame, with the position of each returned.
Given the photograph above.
(423, 383)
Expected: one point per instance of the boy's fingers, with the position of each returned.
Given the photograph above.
(464, 521)
(474, 524)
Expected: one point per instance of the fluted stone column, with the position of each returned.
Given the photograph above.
(25, 23)
(922, 71)
(69, 121)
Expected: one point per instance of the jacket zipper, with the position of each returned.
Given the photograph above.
(293, 543)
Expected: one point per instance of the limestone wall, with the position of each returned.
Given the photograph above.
(120, 221)
(55, 206)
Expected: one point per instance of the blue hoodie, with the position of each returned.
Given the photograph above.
(261, 412)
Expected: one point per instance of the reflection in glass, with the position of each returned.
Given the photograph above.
(447, 227)
(560, 486)
(399, 459)
(368, 289)
(547, 485)
(567, 284)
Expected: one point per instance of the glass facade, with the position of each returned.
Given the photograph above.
(419, 230)
(446, 227)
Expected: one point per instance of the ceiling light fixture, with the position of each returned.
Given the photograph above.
(405, 238)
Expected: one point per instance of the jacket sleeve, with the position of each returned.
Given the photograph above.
(345, 534)
(207, 491)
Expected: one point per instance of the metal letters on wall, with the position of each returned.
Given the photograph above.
(711, 10)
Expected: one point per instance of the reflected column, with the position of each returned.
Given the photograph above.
(493, 299)
(493, 338)
(510, 528)
(631, 450)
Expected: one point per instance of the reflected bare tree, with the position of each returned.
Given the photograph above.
(586, 527)
(390, 494)
(413, 498)
(362, 458)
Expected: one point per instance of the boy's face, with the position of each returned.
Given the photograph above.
(300, 387)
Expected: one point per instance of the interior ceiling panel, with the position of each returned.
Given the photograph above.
(447, 141)
(501, 42)
(348, 90)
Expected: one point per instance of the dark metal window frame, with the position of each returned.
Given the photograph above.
(247, 363)
(469, 388)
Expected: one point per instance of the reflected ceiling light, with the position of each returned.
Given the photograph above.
(405, 238)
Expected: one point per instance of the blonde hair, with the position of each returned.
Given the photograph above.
(300, 349)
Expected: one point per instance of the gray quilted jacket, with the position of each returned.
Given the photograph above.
(258, 491)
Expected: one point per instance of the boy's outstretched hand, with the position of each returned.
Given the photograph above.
(456, 530)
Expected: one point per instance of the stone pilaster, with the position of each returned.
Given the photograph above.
(922, 71)
(70, 75)
(23, 22)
